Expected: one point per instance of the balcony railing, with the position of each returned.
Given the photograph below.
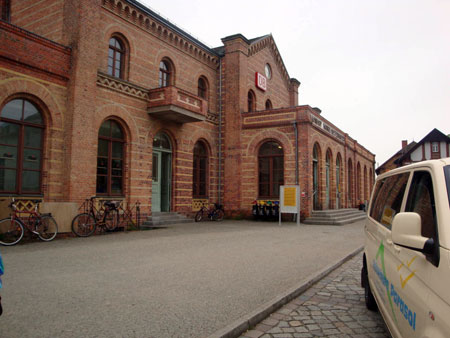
(174, 104)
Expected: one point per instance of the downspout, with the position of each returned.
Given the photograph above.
(220, 135)
(296, 152)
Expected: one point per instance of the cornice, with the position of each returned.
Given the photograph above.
(152, 25)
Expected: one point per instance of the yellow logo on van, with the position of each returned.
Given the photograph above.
(411, 275)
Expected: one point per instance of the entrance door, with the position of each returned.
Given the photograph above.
(162, 173)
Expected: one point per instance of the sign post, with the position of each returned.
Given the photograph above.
(290, 201)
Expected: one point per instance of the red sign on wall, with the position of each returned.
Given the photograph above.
(260, 81)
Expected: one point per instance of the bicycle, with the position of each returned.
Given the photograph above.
(106, 217)
(13, 227)
(214, 213)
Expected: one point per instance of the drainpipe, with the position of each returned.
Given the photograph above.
(220, 134)
(296, 152)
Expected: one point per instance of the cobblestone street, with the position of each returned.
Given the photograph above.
(334, 307)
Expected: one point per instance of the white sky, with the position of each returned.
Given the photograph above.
(379, 69)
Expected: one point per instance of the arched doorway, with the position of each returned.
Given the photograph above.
(316, 192)
(338, 182)
(327, 179)
(161, 173)
(270, 170)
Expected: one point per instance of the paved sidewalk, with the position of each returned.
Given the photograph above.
(333, 307)
(183, 281)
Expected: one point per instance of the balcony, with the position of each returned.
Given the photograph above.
(176, 105)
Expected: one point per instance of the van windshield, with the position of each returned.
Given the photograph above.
(447, 181)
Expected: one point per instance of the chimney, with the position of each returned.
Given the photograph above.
(404, 143)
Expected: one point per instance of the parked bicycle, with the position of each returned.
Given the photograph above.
(214, 213)
(106, 217)
(13, 228)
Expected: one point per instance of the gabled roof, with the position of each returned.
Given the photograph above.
(398, 154)
(433, 136)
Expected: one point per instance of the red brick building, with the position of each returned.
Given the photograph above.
(105, 97)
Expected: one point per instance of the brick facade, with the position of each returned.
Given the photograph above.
(59, 61)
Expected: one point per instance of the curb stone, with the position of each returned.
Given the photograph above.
(243, 324)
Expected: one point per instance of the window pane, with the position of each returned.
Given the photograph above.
(8, 157)
(421, 201)
(117, 149)
(388, 198)
(117, 167)
(30, 181)
(116, 185)
(264, 190)
(116, 132)
(7, 179)
(110, 53)
(9, 133)
(101, 185)
(33, 137)
(102, 166)
(31, 159)
(155, 168)
(105, 129)
(270, 148)
(103, 148)
(31, 114)
(13, 110)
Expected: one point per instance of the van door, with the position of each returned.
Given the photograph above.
(410, 288)
(387, 200)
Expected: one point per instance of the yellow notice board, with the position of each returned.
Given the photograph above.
(289, 196)
(290, 201)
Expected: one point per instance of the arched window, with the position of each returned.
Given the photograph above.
(350, 184)
(328, 158)
(165, 74)
(200, 175)
(110, 159)
(202, 88)
(268, 104)
(338, 181)
(316, 173)
(116, 58)
(270, 169)
(251, 101)
(21, 144)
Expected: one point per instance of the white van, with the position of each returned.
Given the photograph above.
(406, 264)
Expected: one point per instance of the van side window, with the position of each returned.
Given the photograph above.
(388, 198)
(421, 200)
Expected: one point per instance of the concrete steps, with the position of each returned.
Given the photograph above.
(335, 217)
(161, 219)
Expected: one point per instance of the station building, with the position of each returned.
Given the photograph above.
(107, 98)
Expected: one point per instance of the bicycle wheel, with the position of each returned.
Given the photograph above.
(199, 215)
(47, 228)
(218, 215)
(83, 225)
(11, 231)
(111, 220)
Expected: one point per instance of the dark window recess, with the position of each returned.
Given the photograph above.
(165, 74)
(251, 101)
(21, 145)
(270, 170)
(421, 201)
(387, 198)
(200, 171)
(202, 88)
(110, 157)
(116, 58)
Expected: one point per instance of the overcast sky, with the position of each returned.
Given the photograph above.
(379, 69)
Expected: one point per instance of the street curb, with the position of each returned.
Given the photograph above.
(241, 325)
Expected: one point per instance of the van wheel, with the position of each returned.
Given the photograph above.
(368, 296)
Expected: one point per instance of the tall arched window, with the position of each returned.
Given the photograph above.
(165, 74)
(110, 159)
(358, 183)
(350, 183)
(251, 101)
(328, 179)
(338, 181)
(116, 58)
(21, 144)
(202, 88)
(200, 175)
(268, 104)
(270, 169)
(316, 178)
